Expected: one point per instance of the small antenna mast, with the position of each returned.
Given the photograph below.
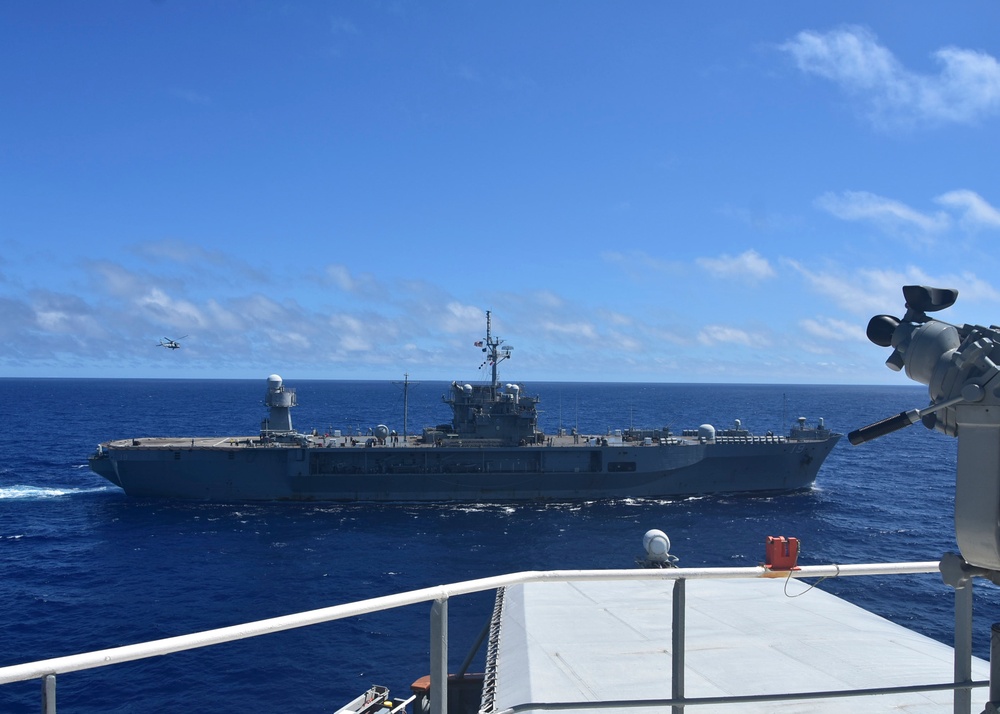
(406, 401)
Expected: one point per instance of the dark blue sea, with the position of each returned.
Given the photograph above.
(83, 567)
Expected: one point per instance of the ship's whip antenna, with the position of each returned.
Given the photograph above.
(406, 401)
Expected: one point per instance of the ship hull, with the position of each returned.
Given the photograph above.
(488, 474)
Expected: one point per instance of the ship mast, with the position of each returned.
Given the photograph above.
(406, 402)
(493, 356)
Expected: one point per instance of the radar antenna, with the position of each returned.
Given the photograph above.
(495, 354)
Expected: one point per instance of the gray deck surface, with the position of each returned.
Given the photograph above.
(592, 641)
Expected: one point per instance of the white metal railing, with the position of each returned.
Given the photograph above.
(46, 670)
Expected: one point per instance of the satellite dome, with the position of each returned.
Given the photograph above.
(656, 543)
(274, 381)
(706, 432)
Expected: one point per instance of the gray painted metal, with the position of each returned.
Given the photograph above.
(576, 646)
(49, 694)
(439, 656)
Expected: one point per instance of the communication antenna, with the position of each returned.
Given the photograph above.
(492, 348)
(406, 401)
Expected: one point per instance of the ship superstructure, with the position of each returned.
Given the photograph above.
(489, 414)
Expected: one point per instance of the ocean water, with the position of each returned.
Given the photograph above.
(84, 567)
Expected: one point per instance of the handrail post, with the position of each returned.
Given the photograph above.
(963, 647)
(439, 656)
(677, 647)
(49, 694)
(994, 702)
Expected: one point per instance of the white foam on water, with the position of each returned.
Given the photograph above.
(21, 491)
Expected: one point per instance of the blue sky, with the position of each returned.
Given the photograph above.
(648, 191)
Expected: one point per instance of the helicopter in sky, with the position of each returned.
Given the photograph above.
(171, 344)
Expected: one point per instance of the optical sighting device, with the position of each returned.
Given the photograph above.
(959, 367)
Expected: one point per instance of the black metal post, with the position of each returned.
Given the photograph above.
(677, 647)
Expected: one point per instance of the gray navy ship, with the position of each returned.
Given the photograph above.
(493, 450)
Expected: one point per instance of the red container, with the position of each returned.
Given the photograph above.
(781, 553)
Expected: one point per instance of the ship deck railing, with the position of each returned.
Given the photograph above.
(48, 669)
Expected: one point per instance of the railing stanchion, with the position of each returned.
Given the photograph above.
(963, 647)
(49, 694)
(994, 668)
(677, 647)
(439, 656)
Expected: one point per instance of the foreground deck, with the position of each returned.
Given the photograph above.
(605, 643)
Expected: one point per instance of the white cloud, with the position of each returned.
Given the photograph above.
(341, 277)
(355, 284)
(867, 291)
(288, 339)
(626, 343)
(224, 319)
(828, 328)
(977, 213)
(350, 334)
(116, 280)
(884, 212)
(262, 309)
(966, 89)
(721, 334)
(617, 319)
(864, 292)
(462, 319)
(749, 267)
(969, 86)
(53, 320)
(971, 211)
(176, 313)
(548, 299)
(573, 330)
(850, 56)
(67, 316)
